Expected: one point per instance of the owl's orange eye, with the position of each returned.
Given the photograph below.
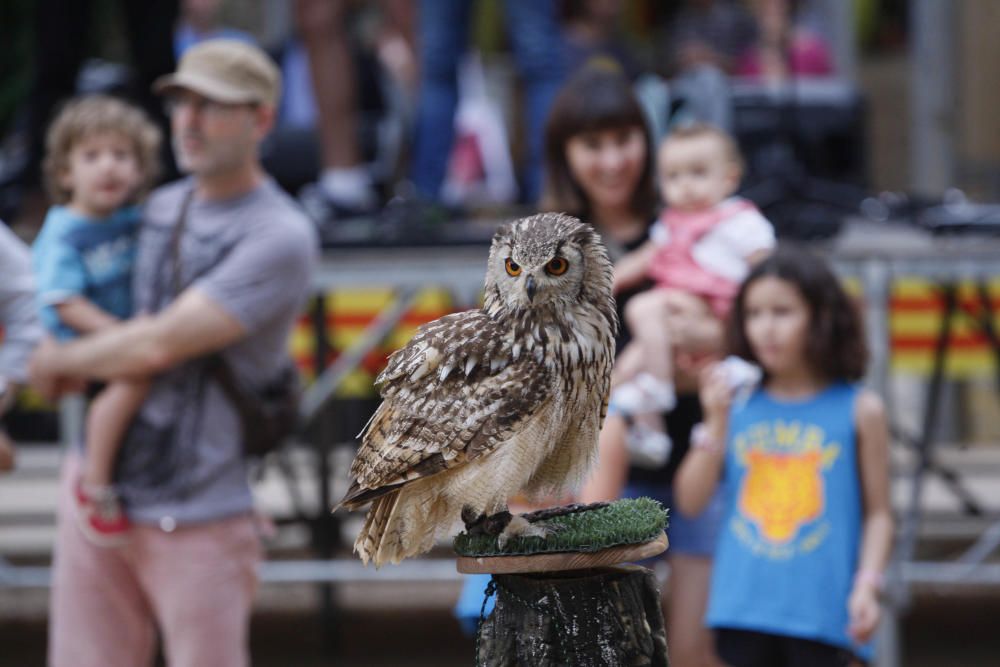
(556, 266)
(513, 268)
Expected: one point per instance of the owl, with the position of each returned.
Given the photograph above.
(485, 404)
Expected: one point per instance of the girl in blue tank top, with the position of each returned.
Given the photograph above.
(803, 464)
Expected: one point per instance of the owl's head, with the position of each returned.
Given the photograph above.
(545, 261)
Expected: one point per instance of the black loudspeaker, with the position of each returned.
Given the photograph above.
(804, 147)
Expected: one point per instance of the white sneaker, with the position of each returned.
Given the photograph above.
(647, 447)
(643, 394)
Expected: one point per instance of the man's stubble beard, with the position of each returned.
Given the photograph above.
(216, 160)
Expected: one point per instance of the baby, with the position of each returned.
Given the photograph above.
(101, 156)
(699, 250)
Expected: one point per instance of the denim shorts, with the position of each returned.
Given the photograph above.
(691, 536)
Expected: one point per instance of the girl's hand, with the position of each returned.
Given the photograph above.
(864, 612)
(716, 394)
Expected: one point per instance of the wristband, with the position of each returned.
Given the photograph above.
(700, 439)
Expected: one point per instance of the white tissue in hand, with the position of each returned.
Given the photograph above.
(742, 377)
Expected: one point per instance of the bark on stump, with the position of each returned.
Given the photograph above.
(585, 618)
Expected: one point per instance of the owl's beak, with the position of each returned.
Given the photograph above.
(530, 287)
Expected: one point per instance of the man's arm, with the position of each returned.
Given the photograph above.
(83, 316)
(192, 326)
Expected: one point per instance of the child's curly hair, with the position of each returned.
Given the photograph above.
(93, 115)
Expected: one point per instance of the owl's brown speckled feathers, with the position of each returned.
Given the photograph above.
(485, 404)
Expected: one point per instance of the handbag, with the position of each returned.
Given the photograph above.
(268, 415)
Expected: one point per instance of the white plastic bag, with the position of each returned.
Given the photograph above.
(480, 170)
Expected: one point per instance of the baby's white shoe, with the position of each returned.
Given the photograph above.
(643, 394)
(647, 447)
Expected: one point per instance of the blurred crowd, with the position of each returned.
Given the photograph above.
(414, 103)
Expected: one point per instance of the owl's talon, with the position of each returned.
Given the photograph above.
(471, 519)
(483, 524)
(497, 524)
(521, 527)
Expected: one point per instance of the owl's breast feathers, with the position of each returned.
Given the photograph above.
(464, 385)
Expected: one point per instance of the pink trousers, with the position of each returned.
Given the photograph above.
(195, 584)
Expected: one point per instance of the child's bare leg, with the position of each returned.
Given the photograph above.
(109, 417)
(627, 364)
(648, 315)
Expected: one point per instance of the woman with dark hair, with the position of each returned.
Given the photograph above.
(599, 162)
(599, 167)
(599, 156)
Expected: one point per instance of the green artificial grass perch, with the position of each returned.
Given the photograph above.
(627, 521)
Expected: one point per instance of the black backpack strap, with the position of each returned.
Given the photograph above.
(217, 366)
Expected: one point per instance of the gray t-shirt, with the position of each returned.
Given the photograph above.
(253, 256)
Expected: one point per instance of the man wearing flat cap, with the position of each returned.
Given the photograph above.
(223, 266)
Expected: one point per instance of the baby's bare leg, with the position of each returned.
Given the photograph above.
(109, 417)
(648, 315)
(627, 364)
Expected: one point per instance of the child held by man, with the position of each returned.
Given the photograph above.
(101, 158)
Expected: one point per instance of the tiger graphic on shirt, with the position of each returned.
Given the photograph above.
(783, 488)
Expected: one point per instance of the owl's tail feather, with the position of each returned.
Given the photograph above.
(397, 527)
(369, 541)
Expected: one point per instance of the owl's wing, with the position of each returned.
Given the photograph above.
(452, 394)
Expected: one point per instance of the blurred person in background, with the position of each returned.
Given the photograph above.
(709, 32)
(20, 325)
(599, 167)
(785, 46)
(697, 51)
(442, 38)
(804, 467)
(350, 74)
(592, 30)
(200, 20)
(223, 265)
(345, 183)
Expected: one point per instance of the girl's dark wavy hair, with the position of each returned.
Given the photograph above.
(598, 97)
(836, 341)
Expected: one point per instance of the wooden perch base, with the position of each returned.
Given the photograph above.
(585, 618)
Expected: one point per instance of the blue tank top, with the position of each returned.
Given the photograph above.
(788, 548)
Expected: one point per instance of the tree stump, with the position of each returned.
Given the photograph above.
(603, 617)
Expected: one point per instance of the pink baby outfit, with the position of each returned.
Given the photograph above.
(674, 264)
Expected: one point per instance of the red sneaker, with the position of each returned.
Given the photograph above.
(100, 516)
